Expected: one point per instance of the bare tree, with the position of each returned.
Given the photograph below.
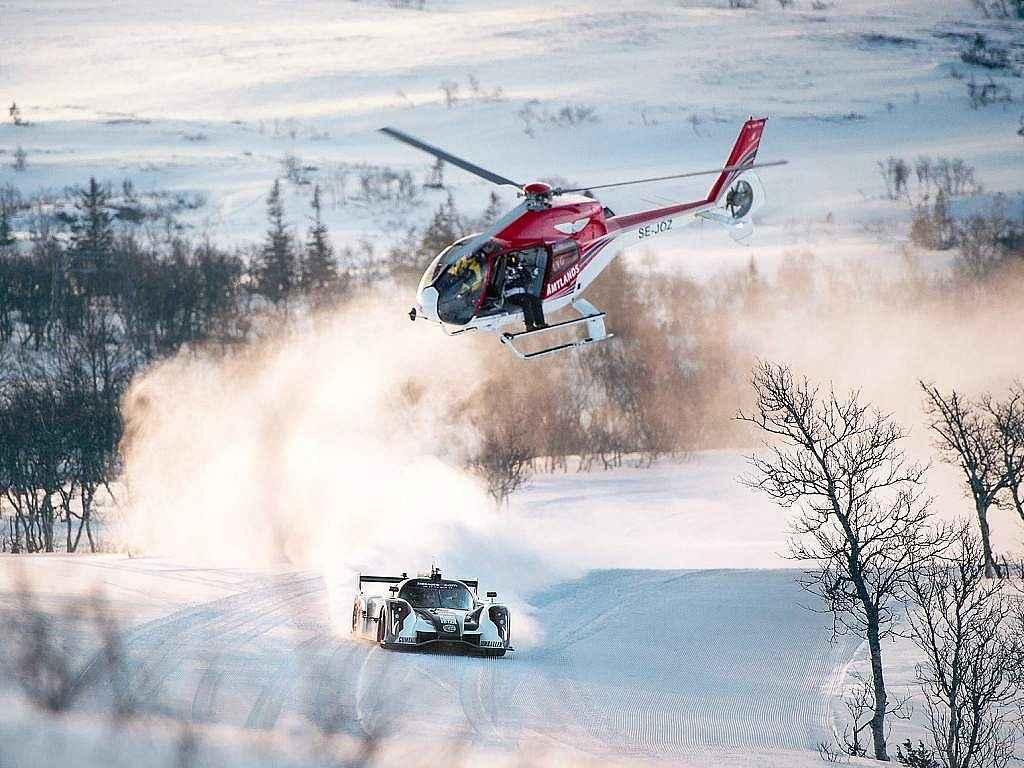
(44, 650)
(860, 706)
(969, 439)
(973, 651)
(504, 458)
(450, 91)
(40, 654)
(1008, 418)
(895, 173)
(862, 519)
(93, 370)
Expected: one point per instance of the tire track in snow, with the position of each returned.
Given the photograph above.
(229, 626)
(157, 649)
(286, 676)
(672, 665)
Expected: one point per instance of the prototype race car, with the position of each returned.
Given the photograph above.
(431, 610)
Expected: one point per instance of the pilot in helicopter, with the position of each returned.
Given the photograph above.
(519, 280)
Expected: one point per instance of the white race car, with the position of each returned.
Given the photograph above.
(429, 610)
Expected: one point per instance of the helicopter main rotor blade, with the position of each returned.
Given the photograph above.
(439, 153)
(726, 169)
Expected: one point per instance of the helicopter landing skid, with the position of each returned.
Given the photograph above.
(590, 315)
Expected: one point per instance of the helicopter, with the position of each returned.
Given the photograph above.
(566, 238)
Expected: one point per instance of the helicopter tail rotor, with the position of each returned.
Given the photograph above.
(744, 196)
(737, 204)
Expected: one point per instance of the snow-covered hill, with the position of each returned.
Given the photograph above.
(211, 98)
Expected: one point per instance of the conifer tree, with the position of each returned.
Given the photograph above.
(275, 270)
(92, 231)
(319, 270)
(6, 235)
(493, 210)
(444, 228)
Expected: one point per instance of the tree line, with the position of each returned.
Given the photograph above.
(666, 386)
(88, 300)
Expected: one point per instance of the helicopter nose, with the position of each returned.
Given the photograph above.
(427, 305)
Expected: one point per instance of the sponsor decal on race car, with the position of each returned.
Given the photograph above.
(492, 643)
(407, 640)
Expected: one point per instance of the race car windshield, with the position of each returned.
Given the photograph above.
(437, 594)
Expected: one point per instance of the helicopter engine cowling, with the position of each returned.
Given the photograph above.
(744, 197)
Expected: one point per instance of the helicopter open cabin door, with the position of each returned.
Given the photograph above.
(535, 262)
(563, 265)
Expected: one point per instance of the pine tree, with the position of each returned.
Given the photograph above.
(6, 234)
(444, 228)
(275, 271)
(493, 210)
(436, 178)
(319, 270)
(92, 235)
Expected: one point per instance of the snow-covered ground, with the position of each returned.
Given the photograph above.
(690, 666)
(633, 642)
(632, 645)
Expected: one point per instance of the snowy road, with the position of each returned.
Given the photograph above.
(684, 665)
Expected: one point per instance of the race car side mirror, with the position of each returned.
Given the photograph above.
(393, 588)
(492, 594)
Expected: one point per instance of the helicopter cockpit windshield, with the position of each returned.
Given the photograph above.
(462, 284)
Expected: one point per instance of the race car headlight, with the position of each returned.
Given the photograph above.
(398, 612)
(499, 616)
(472, 620)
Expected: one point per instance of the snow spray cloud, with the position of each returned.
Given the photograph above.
(331, 448)
(859, 328)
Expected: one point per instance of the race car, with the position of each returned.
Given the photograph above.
(431, 610)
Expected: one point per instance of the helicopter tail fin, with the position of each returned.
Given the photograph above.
(743, 153)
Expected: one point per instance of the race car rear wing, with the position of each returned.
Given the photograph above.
(473, 584)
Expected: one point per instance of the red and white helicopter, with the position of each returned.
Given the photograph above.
(570, 238)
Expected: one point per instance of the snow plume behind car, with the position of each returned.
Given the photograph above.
(327, 447)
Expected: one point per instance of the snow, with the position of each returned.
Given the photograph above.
(655, 615)
(259, 83)
(691, 666)
(634, 643)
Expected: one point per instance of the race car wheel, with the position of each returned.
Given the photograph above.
(381, 630)
(355, 616)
